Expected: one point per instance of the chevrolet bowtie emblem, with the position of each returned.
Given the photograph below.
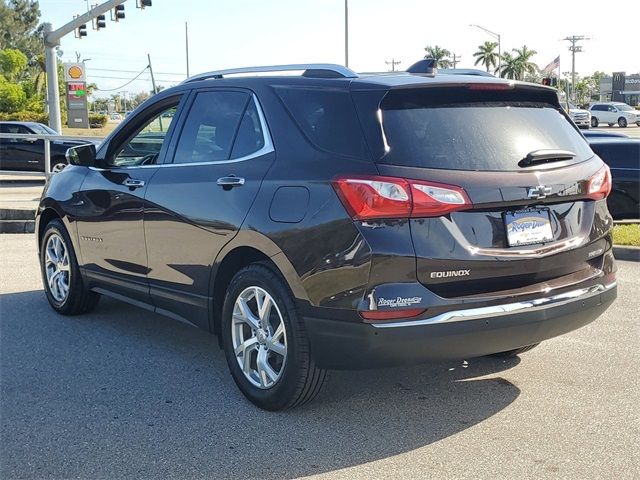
(538, 192)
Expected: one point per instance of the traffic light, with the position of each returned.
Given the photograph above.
(119, 12)
(101, 22)
(82, 31)
(546, 81)
(143, 3)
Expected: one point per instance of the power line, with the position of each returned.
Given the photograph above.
(122, 86)
(132, 71)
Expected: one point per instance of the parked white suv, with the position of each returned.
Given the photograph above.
(612, 113)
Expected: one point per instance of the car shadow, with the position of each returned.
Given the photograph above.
(122, 392)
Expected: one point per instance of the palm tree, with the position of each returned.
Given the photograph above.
(523, 56)
(440, 55)
(487, 55)
(510, 66)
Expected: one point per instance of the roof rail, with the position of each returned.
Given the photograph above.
(324, 70)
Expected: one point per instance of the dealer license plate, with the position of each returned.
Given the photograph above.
(526, 227)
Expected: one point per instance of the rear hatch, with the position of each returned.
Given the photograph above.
(527, 215)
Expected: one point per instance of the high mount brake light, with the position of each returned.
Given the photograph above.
(490, 86)
(599, 184)
(374, 197)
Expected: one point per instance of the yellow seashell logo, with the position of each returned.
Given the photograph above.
(75, 72)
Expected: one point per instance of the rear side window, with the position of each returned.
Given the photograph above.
(220, 126)
(619, 155)
(327, 117)
(472, 130)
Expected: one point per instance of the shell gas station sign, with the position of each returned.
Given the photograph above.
(76, 88)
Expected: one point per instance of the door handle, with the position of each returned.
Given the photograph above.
(230, 181)
(133, 183)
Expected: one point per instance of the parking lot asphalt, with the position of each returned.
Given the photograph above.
(124, 393)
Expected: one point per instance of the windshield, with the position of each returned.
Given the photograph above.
(623, 107)
(472, 135)
(42, 129)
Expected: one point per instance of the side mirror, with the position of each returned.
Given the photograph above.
(82, 155)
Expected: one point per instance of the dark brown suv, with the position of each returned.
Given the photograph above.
(334, 220)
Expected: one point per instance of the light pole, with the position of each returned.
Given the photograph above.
(346, 33)
(497, 36)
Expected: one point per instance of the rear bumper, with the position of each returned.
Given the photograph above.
(458, 334)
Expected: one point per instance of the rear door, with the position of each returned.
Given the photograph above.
(479, 139)
(197, 203)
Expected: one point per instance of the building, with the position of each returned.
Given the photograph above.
(621, 88)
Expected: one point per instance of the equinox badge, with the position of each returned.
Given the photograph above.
(450, 273)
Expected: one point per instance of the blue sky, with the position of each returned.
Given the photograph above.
(231, 33)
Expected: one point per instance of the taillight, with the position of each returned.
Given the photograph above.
(599, 185)
(374, 197)
(435, 199)
(390, 197)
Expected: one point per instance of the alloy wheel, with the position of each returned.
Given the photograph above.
(259, 338)
(57, 268)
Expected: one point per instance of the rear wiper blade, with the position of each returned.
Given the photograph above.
(545, 156)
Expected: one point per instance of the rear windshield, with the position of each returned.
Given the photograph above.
(472, 130)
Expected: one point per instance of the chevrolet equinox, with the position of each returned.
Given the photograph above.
(330, 220)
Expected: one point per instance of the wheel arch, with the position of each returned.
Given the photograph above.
(248, 247)
(48, 211)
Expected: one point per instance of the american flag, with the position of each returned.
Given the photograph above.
(552, 66)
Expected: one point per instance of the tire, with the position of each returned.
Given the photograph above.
(57, 255)
(58, 164)
(288, 379)
(515, 352)
(594, 122)
(622, 122)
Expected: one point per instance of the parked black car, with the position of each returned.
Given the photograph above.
(603, 133)
(623, 157)
(332, 220)
(28, 155)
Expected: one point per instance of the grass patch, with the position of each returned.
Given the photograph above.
(627, 235)
(90, 132)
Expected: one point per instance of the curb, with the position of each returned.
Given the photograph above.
(630, 254)
(17, 226)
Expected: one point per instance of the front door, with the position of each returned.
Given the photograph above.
(111, 203)
(197, 203)
(19, 154)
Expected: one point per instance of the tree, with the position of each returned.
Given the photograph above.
(486, 55)
(12, 63)
(523, 57)
(440, 55)
(510, 66)
(19, 27)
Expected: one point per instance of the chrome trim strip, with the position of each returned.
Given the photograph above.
(500, 310)
(216, 74)
(266, 149)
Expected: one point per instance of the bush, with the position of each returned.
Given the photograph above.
(25, 116)
(12, 97)
(97, 121)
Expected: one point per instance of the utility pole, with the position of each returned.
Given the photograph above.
(186, 44)
(346, 33)
(456, 59)
(393, 64)
(51, 41)
(155, 90)
(574, 48)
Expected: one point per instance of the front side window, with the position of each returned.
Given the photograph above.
(220, 126)
(144, 147)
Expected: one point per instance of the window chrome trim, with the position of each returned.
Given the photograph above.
(266, 149)
(479, 313)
